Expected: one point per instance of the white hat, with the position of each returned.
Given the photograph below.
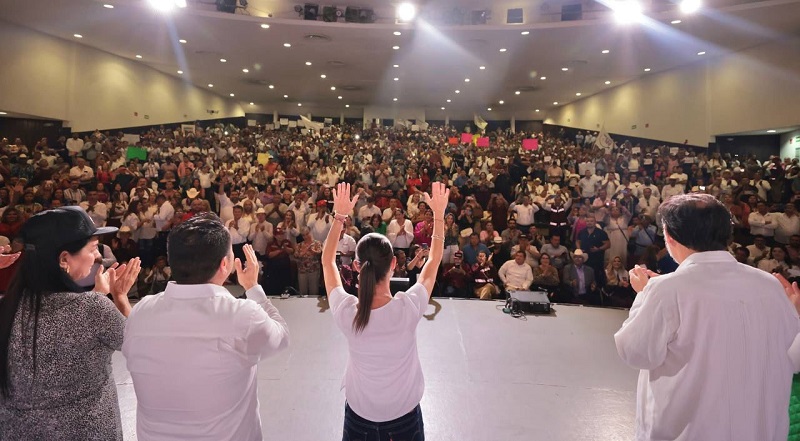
(579, 253)
(261, 211)
(467, 232)
(673, 176)
(497, 239)
(192, 193)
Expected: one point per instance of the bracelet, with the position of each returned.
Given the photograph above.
(441, 220)
(437, 237)
(340, 218)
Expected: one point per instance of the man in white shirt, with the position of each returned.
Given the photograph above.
(525, 213)
(75, 145)
(711, 340)
(193, 350)
(400, 231)
(260, 233)
(516, 274)
(97, 210)
(369, 210)
(762, 222)
(82, 172)
(239, 229)
(788, 224)
(672, 189)
(164, 213)
(648, 204)
(346, 248)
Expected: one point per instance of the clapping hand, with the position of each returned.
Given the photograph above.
(118, 279)
(639, 276)
(438, 202)
(791, 289)
(6, 260)
(342, 203)
(247, 275)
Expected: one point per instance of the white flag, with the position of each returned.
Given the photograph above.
(311, 124)
(480, 123)
(604, 141)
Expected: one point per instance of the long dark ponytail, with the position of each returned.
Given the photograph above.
(38, 274)
(374, 254)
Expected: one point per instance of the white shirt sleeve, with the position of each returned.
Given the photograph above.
(267, 332)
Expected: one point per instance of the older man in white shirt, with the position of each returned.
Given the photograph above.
(193, 350)
(516, 274)
(762, 222)
(711, 340)
(788, 224)
(648, 204)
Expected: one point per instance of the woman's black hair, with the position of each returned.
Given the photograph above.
(38, 275)
(374, 254)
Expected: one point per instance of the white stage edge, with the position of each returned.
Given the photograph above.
(489, 377)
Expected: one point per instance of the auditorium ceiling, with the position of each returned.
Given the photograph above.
(526, 66)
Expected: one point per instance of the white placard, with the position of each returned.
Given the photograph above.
(673, 150)
(547, 159)
(688, 160)
(131, 139)
(414, 128)
(188, 128)
(251, 123)
(648, 161)
(328, 120)
(285, 121)
(269, 126)
(304, 131)
(291, 123)
(636, 150)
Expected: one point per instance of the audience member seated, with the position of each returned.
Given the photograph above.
(484, 277)
(545, 276)
(516, 274)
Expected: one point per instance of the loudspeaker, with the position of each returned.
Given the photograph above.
(228, 6)
(514, 16)
(310, 11)
(571, 12)
(479, 17)
(329, 13)
(351, 14)
(366, 15)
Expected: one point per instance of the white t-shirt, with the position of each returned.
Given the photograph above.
(383, 380)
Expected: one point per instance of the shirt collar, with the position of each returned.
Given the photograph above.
(194, 291)
(707, 257)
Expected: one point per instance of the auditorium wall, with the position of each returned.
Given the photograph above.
(746, 91)
(87, 88)
(790, 144)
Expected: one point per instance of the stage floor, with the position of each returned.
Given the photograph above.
(489, 377)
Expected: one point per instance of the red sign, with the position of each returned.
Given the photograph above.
(466, 138)
(452, 141)
(530, 144)
(483, 142)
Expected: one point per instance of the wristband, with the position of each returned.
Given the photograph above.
(437, 237)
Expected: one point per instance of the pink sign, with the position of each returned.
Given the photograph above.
(483, 142)
(530, 144)
(466, 138)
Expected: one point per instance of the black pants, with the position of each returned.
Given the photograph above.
(408, 427)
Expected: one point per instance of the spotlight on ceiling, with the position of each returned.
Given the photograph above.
(406, 12)
(627, 11)
(167, 5)
(689, 6)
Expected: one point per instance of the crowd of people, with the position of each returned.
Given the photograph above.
(568, 218)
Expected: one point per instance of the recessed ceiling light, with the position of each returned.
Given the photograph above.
(394, 99)
(286, 96)
(308, 63)
(605, 51)
(339, 97)
(222, 60)
(396, 65)
(458, 91)
(395, 47)
(397, 33)
(517, 92)
(442, 108)
(537, 110)
(542, 78)
(210, 85)
(3, 113)
(233, 95)
(771, 131)
(271, 86)
(252, 104)
(182, 41)
(396, 79)
(701, 53)
(647, 69)
(503, 49)
(466, 80)
(578, 94)
(138, 56)
(287, 45)
(246, 70)
(608, 82)
(333, 87)
(299, 104)
(525, 32)
(449, 101)
(107, 6)
(489, 109)
(689, 6)
(77, 35)
(180, 72)
(564, 69)
(264, 26)
(347, 105)
(501, 102)
(675, 22)
(323, 76)
(555, 103)
(482, 68)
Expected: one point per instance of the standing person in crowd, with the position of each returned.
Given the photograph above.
(278, 264)
(400, 231)
(673, 336)
(383, 382)
(307, 253)
(239, 229)
(193, 350)
(56, 340)
(593, 242)
(260, 234)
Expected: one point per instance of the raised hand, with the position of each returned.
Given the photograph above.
(123, 278)
(791, 289)
(6, 260)
(342, 203)
(639, 276)
(438, 200)
(248, 275)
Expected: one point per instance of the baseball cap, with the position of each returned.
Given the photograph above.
(52, 229)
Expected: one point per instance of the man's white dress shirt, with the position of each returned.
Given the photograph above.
(763, 224)
(401, 236)
(193, 352)
(711, 341)
(516, 276)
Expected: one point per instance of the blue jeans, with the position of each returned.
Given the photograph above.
(408, 427)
